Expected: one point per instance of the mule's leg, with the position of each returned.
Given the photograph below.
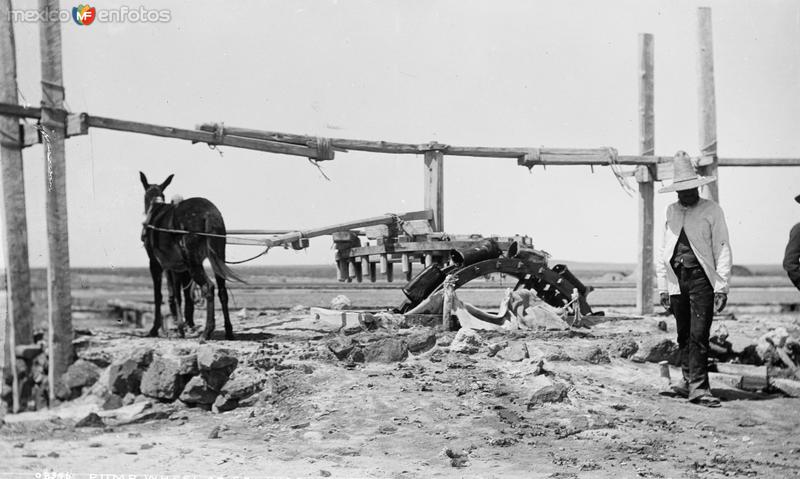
(177, 281)
(155, 273)
(223, 300)
(199, 277)
(188, 312)
(172, 292)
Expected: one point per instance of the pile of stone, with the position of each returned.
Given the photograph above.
(31, 367)
(208, 377)
(388, 347)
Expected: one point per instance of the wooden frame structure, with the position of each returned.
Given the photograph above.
(55, 125)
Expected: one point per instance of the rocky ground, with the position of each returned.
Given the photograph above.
(293, 396)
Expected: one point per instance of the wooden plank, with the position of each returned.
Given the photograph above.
(29, 135)
(259, 232)
(411, 247)
(417, 227)
(761, 162)
(77, 124)
(326, 230)
(199, 136)
(434, 187)
(19, 111)
(305, 140)
(54, 122)
(645, 268)
(13, 191)
(753, 377)
(707, 103)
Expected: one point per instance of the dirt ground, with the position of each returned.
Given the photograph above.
(331, 419)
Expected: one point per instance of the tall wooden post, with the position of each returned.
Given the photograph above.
(707, 102)
(13, 187)
(434, 187)
(54, 122)
(645, 268)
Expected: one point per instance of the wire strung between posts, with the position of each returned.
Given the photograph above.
(615, 168)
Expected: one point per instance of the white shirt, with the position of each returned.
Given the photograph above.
(707, 232)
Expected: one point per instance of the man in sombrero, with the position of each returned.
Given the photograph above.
(693, 268)
(791, 257)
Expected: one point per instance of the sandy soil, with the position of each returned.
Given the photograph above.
(396, 420)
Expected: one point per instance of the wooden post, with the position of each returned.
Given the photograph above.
(54, 122)
(7, 344)
(434, 187)
(645, 268)
(707, 102)
(13, 187)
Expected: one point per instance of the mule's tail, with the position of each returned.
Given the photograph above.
(219, 266)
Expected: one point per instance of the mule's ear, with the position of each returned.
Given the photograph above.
(166, 182)
(144, 180)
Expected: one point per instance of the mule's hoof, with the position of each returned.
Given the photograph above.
(229, 336)
(181, 333)
(153, 333)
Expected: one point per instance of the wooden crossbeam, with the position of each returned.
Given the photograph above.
(305, 145)
(199, 136)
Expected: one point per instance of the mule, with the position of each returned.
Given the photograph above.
(181, 255)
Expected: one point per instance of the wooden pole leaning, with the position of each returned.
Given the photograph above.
(13, 189)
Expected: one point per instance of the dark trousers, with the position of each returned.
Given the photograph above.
(694, 311)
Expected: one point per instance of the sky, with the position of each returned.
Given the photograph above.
(499, 73)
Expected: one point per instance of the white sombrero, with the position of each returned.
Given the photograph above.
(684, 177)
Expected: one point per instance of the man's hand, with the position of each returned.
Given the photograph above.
(720, 300)
(665, 303)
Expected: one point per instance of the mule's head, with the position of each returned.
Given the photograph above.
(153, 193)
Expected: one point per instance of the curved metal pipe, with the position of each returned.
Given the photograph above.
(486, 249)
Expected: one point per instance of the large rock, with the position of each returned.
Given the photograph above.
(387, 350)
(210, 358)
(91, 420)
(657, 350)
(215, 365)
(542, 318)
(166, 377)
(242, 384)
(421, 341)
(467, 341)
(544, 390)
(515, 352)
(187, 364)
(197, 392)
(125, 375)
(98, 357)
(341, 346)
(625, 348)
(595, 355)
(80, 374)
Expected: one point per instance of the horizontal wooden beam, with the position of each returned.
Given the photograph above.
(11, 109)
(200, 136)
(305, 145)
